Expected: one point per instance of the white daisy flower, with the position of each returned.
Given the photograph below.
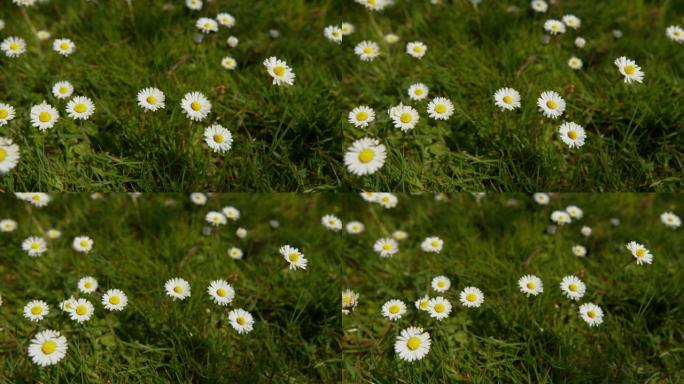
(387, 200)
(226, 19)
(432, 244)
(472, 297)
(231, 213)
(675, 33)
(370, 197)
(551, 104)
(580, 42)
(347, 28)
(47, 348)
(386, 247)
(554, 27)
(13, 46)
(221, 292)
(83, 310)
(8, 225)
(7, 113)
(585, 231)
(416, 49)
(80, 108)
(64, 47)
(541, 198)
(332, 222)
(640, 253)
(393, 309)
(235, 253)
(367, 50)
(241, 320)
(441, 283)
(668, 218)
(38, 199)
(278, 69)
(198, 198)
(355, 227)
(572, 134)
(531, 285)
(36, 310)
(233, 41)
(404, 117)
(215, 218)
(177, 288)
(575, 63)
(333, 33)
(440, 108)
(114, 300)
(418, 91)
(423, 303)
(591, 313)
(82, 244)
(365, 156)
(44, 116)
(539, 6)
(374, 5)
(196, 106)
(572, 21)
(349, 301)
(573, 287)
(62, 89)
(194, 5)
(412, 344)
(68, 304)
(241, 233)
(507, 99)
(560, 217)
(206, 25)
(574, 211)
(630, 70)
(439, 308)
(151, 99)
(218, 138)
(293, 256)
(87, 284)
(229, 63)
(361, 116)
(391, 38)
(43, 35)
(399, 235)
(34, 246)
(9, 155)
(579, 250)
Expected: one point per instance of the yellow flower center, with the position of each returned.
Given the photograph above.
(424, 304)
(3, 113)
(36, 197)
(151, 100)
(531, 285)
(63, 90)
(439, 307)
(572, 287)
(417, 49)
(49, 347)
(241, 320)
(207, 25)
(293, 257)
(35, 245)
(367, 50)
(572, 135)
(471, 297)
(366, 155)
(195, 105)
(3, 154)
(386, 247)
(13, 46)
(591, 314)
(413, 343)
(677, 33)
(552, 104)
(83, 243)
(178, 289)
(114, 300)
(394, 309)
(218, 138)
(405, 117)
(221, 292)
(279, 71)
(507, 99)
(81, 310)
(441, 284)
(630, 70)
(435, 243)
(362, 116)
(554, 27)
(88, 285)
(418, 92)
(44, 117)
(64, 46)
(440, 108)
(640, 252)
(346, 299)
(37, 309)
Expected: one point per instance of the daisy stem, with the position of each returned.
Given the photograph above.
(28, 20)
(628, 263)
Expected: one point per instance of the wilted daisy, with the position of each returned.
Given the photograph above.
(393, 309)
(82, 244)
(44, 116)
(177, 288)
(293, 256)
(196, 106)
(507, 99)
(218, 138)
(387, 200)
(575, 63)
(7, 113)
(439, 308)
(278, 69)
(432, 244)
(332, 222)
(347, 28)
(560, 217)
(9, 155)
(418, 91)
(412, 344)
(541, 198)
(36, 310)
(591, 313)
(235, 253)
(151, 99)
(441, 283)
(539, 6)
(194, 5)
(640, 252)
(231, 213)
(572, 21)
(354, 227)
(440, 108)
(572, 287)
(365, 156)
(386, 247)
(229, 63)
(630, 70)
(531, 285)
(349, 301)
(83, 310)
(391, 38)
(416, 49)
(62, 89)
(225, 19)
(554, 27)
(669, 219)
(215, 218)
(221, 292)
(572, 134)
(580, 42)
(675, 33)
(80, 108)
(551, 104)
(367, 50)
(333, 33)
(8, 225)
(64, 47)
(241, 320)
(423, 303)
(47, 348)
(206, 25)
(87, 284)
(472, 297)
(34, 246)
(579, 250)
(404, 117)
(13, 46)
(399, 234)
(361, 116)
(114, 300)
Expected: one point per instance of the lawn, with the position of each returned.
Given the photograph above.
(141, 243)
(513, 338)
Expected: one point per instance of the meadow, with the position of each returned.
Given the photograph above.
(492, 241)
(140, 242)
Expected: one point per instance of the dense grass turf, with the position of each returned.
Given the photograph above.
(512, 338)
(634, 132)
(138, 246)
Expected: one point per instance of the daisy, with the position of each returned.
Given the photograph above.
(393, 309)
(630, 70)
(573, 287)
(7, 113)
(472, 297)
(365, 156)
(332, 222)
(114, 300)
(391, 38)
(541, 198)
(241, 320)
(215, 218)
(386, 247)
(585, 231)
(177, 288)
(675, 33)
(333, 33)
(640, 252)
(196, 106)
(361, 116)
(231, 213)
(423, 303)
(399, 235)
(206, 25)
(194, 5)
(278, 69)
(418, 91)
(370, 197)
(82, 311)
(416, 49)
(9, 155)
(387, 200)
(404, 117)
(412, 344)
(8, 225)
(34, 246)
(554, 27)
(354, 227)
(226, 19)
(44, 116)
(580, 42)
(293, 256)
(218, 138)
(43, 35)
(151, 99)
(551, 104)
(439, 308)
(441, 283)
(233, 41)
(574, 211)
(13, 46)
(572, 134)
(347, 28)
(579, 250)
(64, 47)
(36, 310)
(539, 6)
(349, 301)
(367, 50)
(507, 99)
(38, 199)
(80, 108)
(572, 21)
(87, 285)
(591, 313)
(68, 304)
(62, 90)
(668, 218)
(82, 244)
(235, 253)
(440, 108)
(560, 217)
(198, 198)
(531, 285)
(24, 3)
(241, 233)
(432, 244)
(221, 292)
(229, 63)
(575, 63)
(47, 348)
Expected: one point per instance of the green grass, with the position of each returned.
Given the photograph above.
(512, 338)
(138, 246)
